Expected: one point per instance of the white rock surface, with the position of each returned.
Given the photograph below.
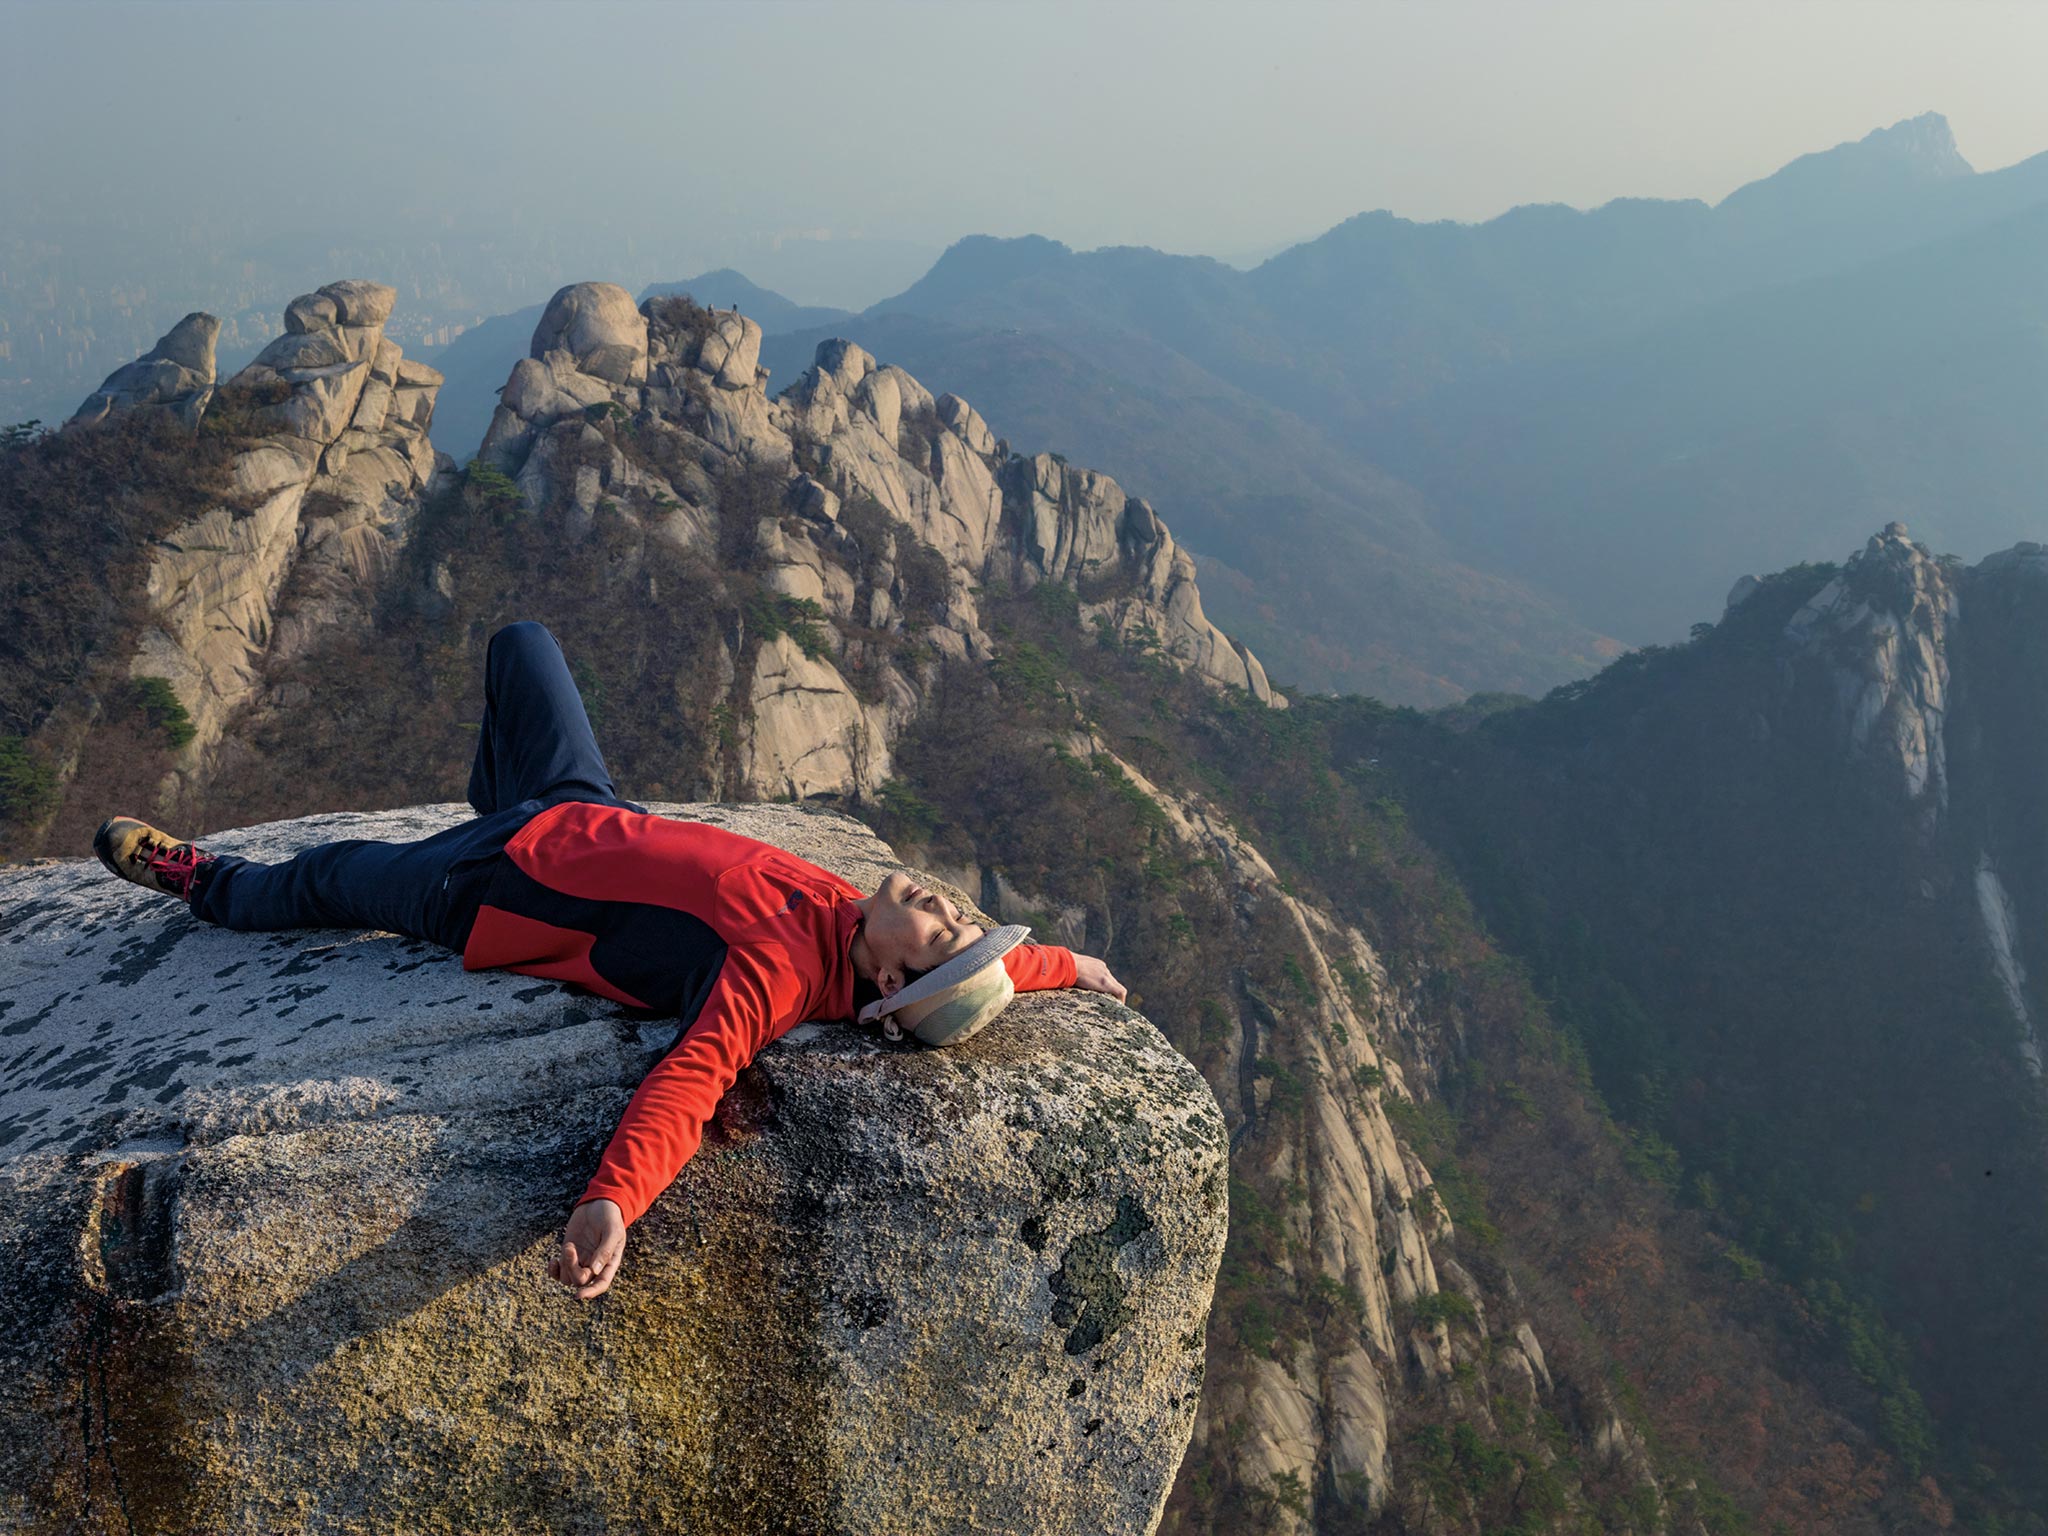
(175, 375)
(349, 439)
(278, 1206)
(597, 325)
(1880, 629)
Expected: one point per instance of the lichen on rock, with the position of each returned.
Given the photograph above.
(280, 1206)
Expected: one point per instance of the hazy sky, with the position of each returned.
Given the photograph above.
(1220, 129)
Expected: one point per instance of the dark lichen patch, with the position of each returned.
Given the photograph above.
(1088, 1291)
(1033, 1233)
(138, 958)
(868, 1309)
(154, 1077)
(27, 1022)
(80, 1067)
(23, 914)
(1072, 1160)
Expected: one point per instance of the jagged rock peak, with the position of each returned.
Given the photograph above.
(352, 301)
(1879, 629)
(1925, 143)
(850, 428)
(176, 375)
(597, 325)
(295, 1258)
(327, 489)
(1881, 164)
(341, 376)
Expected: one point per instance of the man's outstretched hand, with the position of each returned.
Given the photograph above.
(1093, 976)
(592, 1246)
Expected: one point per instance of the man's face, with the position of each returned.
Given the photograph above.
(910, 928)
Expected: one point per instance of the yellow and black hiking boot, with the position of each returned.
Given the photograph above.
(136, 851)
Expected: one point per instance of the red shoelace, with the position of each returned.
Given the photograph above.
(179, 867)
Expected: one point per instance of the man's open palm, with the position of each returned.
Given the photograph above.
(592, 1246)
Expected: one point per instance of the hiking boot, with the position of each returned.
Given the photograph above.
(136, 851)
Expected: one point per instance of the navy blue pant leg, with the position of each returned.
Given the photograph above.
(359, 883)
(535, 742)
(534, 749)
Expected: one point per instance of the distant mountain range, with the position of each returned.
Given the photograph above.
(1420, 460)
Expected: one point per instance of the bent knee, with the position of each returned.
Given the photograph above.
(521, 632)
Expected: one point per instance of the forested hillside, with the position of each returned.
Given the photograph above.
(1782, 883)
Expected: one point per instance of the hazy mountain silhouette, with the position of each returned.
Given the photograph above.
(1385, 440)
(1910, 387)
(1603, 401)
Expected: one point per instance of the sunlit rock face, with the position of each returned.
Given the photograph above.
(278, 1208)
(175, 375)
(330, 489)
(851, 433)
(1881, 627)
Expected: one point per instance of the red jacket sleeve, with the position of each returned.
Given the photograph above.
(664, 1123)
(1040, 967)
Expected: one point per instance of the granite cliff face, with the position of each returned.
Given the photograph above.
(339, 418)
(1875, 652)
(688, 385)
(1362, 1214)
(289, 1256)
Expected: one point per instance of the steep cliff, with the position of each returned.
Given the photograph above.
(315, 456)
(285, 1269)
(332, 488)
(1787, 882)
(645, 413)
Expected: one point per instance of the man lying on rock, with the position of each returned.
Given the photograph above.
(557, 876)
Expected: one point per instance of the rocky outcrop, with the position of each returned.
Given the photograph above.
(652, 414)
(1363, 1217)
(279, 1206)
(597, 326)
(1078, 527)
(175, 375)
(1880, 631)
(339, 419)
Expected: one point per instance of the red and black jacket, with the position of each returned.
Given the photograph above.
(738, 938)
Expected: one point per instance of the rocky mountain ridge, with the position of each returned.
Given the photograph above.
(321, 503)
(688, 389)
